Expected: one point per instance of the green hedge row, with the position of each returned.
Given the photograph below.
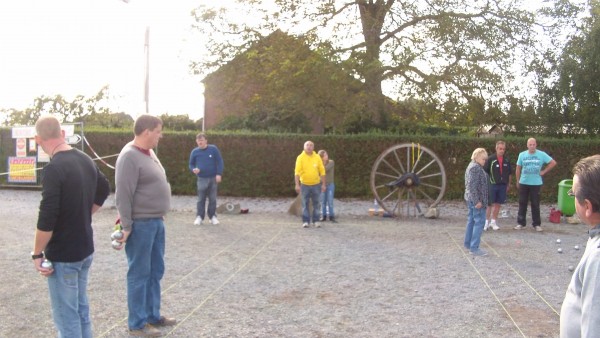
(262, 165)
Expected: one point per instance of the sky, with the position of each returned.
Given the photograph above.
(76, 47)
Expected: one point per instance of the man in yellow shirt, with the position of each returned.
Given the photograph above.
(309, 176)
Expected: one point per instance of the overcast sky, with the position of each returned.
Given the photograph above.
(73, 47)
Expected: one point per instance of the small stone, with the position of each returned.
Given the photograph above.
(559, 250)
(576, 247)
(571, 268)
(558, 241)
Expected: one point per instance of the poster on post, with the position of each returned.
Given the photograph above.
(22, 170)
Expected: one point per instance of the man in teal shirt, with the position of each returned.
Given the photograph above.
(530, 169)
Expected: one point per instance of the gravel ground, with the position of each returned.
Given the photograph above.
(261, 275)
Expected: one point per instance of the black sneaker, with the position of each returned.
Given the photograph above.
(332, 219)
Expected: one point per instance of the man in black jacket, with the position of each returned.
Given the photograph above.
(499, 170)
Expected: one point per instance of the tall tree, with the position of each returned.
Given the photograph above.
(436, 51)
(576, 92)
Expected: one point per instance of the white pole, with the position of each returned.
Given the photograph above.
(147, 72)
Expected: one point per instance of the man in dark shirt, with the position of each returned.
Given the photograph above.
(72, 190)
(499, 170)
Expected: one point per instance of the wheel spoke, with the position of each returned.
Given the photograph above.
(427, 166)
(426, 195)
(399, 162)
(431, 186)
(387, 175)
(391, 167)
(431, 175)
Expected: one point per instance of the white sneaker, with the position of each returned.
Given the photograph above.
(214, 220)
(519, 227)
(486, 226)
(305, 225)
(493, 225)
(198, 221)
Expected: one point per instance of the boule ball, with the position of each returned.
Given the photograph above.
(46, 264)
(117, 245)
(117, 234)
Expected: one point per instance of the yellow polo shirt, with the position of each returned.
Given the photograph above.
(309, 168)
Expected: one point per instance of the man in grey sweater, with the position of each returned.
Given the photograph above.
(580, 315)
(143, 197)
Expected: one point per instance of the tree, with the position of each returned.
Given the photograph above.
(67, 111)
(179, 122)
(281, 76)
(435, 51)
(573, 98)
(109, 120)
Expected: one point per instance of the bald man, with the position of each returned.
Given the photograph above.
(532, 165)
(309, 177)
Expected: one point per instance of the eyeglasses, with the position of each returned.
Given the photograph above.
(571, 192)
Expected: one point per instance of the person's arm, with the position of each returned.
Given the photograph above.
(322, 174)
(126, 179)
(549, 167)
(481, 181)
(590, 291)
(192, 163)
(48, 215)
(518, 175)
(220, 165)
(297, 183)
(40, 242)
(102, 191)
(297, 173)
(471, 186)
(486, 167)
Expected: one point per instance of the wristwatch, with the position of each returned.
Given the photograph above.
(34, 256)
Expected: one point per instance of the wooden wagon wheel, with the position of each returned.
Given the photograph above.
(407, 179)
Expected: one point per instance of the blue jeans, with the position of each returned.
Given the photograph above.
(475, 223)
(327, 201)
(206, 187)
(145, 250)
(68, 296)
(310, 193)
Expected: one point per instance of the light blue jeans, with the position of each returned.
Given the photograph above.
(327, 201)
(207, 187)
(68, 296)
(145, 249)
(310, 193)
(475, 223)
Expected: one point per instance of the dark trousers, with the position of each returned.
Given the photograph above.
(529, 193)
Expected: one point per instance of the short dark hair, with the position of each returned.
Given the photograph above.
(201, 135)
(146, 122)
(588, 173)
